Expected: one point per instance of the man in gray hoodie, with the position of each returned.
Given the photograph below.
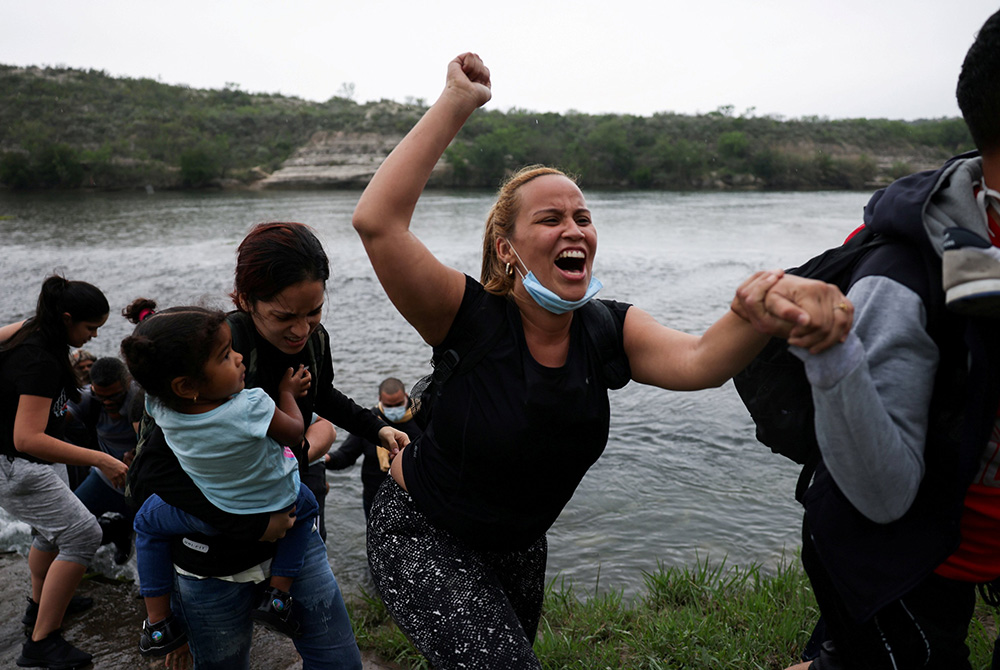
(903, 514)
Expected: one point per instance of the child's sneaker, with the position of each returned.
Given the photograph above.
(53, 652)
(162, 637)
(76, 605)
(971, 273)
(275, 613)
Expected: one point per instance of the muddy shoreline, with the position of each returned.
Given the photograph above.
(109, 630)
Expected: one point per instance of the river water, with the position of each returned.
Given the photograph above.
(682, 480)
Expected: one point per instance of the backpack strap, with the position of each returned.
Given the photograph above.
(241, 326)
(466, 353)
(469, 350)
(136, 487)
(316, 349)
(605, 336)
(836, 265)
(806, 474)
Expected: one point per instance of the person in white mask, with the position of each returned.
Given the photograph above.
(456, 535)
(395, 408)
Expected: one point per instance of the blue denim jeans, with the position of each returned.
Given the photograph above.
(217, 617)
(156, 523)
(100, 498)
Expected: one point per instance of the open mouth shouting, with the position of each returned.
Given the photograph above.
(573, 263)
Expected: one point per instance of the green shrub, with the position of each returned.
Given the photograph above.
(200, 166)
(15, 170)
(58, 166)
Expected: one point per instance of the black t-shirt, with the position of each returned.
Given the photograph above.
(510, 440)
(32, 368)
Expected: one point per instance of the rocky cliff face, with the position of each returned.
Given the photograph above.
(338, 159)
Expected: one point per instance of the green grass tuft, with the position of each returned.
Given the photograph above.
(705, 616)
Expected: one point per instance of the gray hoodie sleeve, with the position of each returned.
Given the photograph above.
(872, 395)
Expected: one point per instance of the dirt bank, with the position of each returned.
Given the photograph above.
(109, 629)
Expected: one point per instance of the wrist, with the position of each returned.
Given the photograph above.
(736, 308)
(286, 401)
(458, 102)
(826, 369)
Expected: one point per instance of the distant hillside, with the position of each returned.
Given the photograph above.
(65, 128)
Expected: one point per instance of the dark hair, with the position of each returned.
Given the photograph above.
(272, 257)
(107, 370)
(978, 90)
(390, 385)
(176, 342)
(82, 301)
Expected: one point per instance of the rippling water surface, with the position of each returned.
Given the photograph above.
(682, 478)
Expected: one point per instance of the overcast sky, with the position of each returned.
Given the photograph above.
(894, 59)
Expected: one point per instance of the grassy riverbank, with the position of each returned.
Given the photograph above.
(701, 617)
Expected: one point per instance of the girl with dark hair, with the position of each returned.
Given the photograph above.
(279, 291)
(456, 536)
(36, 380)
(228, 439)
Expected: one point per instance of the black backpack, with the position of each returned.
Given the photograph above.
(774, 387)
(598, 323)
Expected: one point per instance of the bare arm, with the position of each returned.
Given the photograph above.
(805, 311)
(320, 434)
(30, 438)
(670, 359)
(382, 217)
(6, 332)
(287, 426)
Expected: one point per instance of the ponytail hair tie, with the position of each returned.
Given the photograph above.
(146, 312)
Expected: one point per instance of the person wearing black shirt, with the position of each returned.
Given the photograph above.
(456, 536)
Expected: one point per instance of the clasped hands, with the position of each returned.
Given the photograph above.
(808, 313)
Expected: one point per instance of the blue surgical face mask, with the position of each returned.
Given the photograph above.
(394, 414)
(548, 299)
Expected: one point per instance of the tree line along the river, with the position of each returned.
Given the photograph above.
(67, 128)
